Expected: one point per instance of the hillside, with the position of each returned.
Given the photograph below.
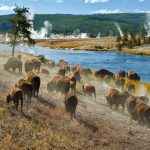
(46, 125)
(65, 23)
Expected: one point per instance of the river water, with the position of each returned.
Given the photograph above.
(93, 59)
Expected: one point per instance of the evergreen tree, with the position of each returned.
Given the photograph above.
(21, 27)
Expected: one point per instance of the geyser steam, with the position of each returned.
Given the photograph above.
(43, 32)
(119, 29)
(147, 24)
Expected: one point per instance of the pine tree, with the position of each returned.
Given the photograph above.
(21, 27)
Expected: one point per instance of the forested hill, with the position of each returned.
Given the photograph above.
(103, 23)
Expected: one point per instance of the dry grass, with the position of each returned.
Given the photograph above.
(46, 125)
(136, 52)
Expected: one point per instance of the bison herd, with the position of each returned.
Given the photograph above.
(65, 81)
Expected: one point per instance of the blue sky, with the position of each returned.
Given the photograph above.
(76, 6)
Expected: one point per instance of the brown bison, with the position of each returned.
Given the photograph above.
(89, 89)
(61, 71)
(117, 98)
(51, 64)
(59, 84)
(15, 95)
(131, 87)
(72, 80)
(71, 102)
(35, 81)
(102, 73)
(32, 64)
(119, 81)
(131, 104)
(143, 112)
(76, 68)
(77, 75)
(107, 79)
(13, 63)
(133, 76)
(122, 73)
(45, 71)
(66, 68)
(62, 63)
(26, 88)
(86, 72)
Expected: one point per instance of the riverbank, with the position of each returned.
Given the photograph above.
(91, 44)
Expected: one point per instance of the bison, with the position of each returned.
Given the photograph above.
(15, 95)
(131, 87)
(131, 104)
(115, 97)
(102, 73)
(77, 75)
(122, 73)
(71, 102)
(86, 72)
(61, 71)
(60, 84)
(32, 64)
(143, 112)
(51, 64)
(89, 89)
(35, 81)
(119, 81)
(133, 76)
(72, 80)
(13, 63)
(45, 71)
(26, 88)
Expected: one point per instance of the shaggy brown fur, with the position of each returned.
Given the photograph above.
(35, 81)
(89, 89)
(15, 95)
(133, 76)
(117, 98)
(32, 64)
(26, 88)
(71, 102)
(59, 83)
(13, 63)
(122, 73)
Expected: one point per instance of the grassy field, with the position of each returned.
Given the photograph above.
(99, 44)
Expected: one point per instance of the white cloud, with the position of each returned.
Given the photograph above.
(141, 0)
(107, 11)
(96, 1)
(141, 11)
(59, 1)
(6, 8)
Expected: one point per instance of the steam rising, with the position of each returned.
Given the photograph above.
(44, 32)
(147, 24)
(119, 29)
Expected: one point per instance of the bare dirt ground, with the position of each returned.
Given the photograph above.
(46, 125)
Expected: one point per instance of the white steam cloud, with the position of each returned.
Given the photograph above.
(119, 29)
(43, 32)
(147, 24)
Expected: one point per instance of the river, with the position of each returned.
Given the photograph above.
(93, 59)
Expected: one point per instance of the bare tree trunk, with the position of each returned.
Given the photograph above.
(14, 45)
